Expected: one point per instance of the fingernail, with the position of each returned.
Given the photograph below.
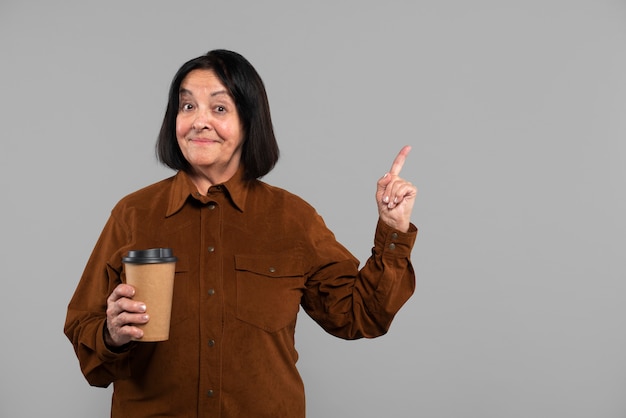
(142, 308)
(386, 199)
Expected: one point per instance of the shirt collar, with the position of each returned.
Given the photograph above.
(183, 188)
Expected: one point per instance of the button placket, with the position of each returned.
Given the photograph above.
(211, 351)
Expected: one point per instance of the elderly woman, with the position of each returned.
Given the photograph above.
(249, 255)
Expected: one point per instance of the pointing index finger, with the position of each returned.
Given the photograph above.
(398, 162)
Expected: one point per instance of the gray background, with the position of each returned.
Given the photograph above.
(515, 110)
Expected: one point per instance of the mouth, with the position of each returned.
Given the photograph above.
(199, 140)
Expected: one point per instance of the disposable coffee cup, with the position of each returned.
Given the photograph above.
(151, 273)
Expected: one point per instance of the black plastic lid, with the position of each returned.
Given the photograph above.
(151, 256)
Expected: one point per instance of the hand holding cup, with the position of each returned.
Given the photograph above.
(140, 309)
(123, 316)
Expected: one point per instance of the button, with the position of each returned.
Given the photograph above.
(210, 393)
(272, 270)
(211, 249)
(211, 343)
(392, 246)
(394, 235)
(211, 292)
(211, 206)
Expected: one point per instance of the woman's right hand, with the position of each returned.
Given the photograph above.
(123, 313)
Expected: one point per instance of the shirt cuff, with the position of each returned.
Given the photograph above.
(109, 353)
(392, 242)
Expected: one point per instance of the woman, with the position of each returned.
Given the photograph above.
(249, 254)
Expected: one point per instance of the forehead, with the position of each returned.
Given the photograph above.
(202, 81)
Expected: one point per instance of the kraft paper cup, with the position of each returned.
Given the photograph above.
(151, 273)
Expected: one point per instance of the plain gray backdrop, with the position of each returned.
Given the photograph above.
(516, 114)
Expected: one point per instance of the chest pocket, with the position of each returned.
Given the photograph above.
(269, 289)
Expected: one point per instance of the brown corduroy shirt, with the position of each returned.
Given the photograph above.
(249, 254)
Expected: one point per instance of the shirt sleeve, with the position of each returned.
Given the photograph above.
(86, 313)
(351, 303)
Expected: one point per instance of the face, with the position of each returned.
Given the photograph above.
(208, 128)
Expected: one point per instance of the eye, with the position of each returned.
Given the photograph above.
(186, 106)
(220, 109)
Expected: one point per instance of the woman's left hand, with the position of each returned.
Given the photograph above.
(395, 196)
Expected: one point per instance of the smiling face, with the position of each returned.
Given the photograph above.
(208, 129)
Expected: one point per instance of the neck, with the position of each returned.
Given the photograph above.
(203, 180)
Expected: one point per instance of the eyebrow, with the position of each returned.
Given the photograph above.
(184, 91)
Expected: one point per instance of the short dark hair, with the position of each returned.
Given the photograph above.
(260, 149)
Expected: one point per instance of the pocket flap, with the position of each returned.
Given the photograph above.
(279, 265)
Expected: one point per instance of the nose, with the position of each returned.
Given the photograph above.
(201, 121)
